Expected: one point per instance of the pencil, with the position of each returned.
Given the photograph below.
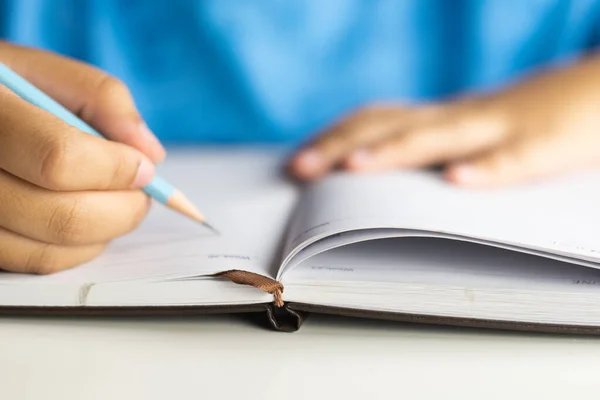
(159, 189)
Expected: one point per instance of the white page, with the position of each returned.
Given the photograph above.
(439, 262)
(556, 215)
(241, 191)
(448, 278)
(349, 238)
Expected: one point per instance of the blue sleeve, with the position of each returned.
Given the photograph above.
(270, 70)
(595, 42)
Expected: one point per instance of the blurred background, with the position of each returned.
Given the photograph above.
(226, 71)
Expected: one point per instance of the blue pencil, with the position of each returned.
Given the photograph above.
(158, 189)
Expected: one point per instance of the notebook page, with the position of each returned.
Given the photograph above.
(448, 278)
(242, 193)
(438, 262)
(559, 215)
(369, 235)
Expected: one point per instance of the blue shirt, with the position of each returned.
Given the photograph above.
(267, 70)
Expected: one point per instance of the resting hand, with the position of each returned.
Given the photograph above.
(546, 125)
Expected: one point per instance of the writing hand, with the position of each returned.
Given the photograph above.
(64, 194)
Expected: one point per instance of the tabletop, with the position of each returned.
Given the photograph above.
(232, 356)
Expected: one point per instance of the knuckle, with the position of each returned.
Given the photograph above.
(370, 114)
(483, 115)
(107, 90)
(349, 130)
(358, 117)
(67, 221)
(55, 169)
(139, 212)
(45, 260)
(110, 88)
(123, 169)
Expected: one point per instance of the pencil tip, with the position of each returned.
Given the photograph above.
(212, 228)
(180, 203)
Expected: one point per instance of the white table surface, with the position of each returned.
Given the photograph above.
(331, 358)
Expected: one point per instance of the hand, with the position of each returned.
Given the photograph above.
(546, 125)
(63, 193)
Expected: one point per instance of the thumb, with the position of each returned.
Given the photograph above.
(99, 99)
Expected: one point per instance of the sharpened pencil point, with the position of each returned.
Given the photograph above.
(180, 203)
(212, 228)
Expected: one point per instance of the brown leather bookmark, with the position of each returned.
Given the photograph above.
(258, 281)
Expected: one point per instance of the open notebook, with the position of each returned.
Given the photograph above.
(400, 245)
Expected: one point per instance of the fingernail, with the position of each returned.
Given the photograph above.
(158, 152)
(310, 160)
(359, 159)
(466, 174)
(144, 175)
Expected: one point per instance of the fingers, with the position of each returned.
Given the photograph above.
(41, 149)
(66, 193)
(80, 218)
(455, 134)
(24, 255)
(383, 138)
(516, 162)
(99, 99)
(361, 129)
